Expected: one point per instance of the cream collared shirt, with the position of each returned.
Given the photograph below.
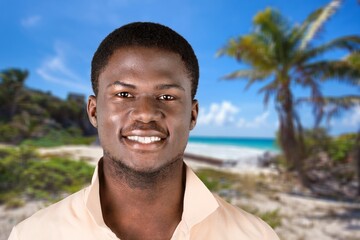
(205, 217)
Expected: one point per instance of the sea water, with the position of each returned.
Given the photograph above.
(256, 143)
(244, 151)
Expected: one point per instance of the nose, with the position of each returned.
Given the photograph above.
(146, 109)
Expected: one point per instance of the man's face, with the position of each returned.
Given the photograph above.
(143, 109)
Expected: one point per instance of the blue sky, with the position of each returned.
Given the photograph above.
(55, 41)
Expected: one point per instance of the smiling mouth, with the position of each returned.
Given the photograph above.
(143, 139)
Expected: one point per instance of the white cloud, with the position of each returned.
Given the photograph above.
(219, 114)
(258, 121)
(55, 70)
(353, 119)
(31, 21)
(226, 113)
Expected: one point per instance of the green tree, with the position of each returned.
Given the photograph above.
(281, 57)
(11, 85)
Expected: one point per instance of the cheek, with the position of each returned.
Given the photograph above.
(181, 122)
(109, 120)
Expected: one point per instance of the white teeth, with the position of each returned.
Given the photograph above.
(144, 140)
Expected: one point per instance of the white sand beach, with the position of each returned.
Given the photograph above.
(301, 217)
(242, 159)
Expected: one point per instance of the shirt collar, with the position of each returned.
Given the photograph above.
(92, 197)
(199, 202)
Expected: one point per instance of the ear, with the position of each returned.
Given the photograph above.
(91, 110)
(194, 113)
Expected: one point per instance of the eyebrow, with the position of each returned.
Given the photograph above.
(158, 87)
(169, 86)
(119, 83)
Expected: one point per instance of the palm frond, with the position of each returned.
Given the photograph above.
(270, 22)
(315, 93)
(249, 74)
(340, 104)
(344, 102)
(353, 59)
(348, 43)
(229, 49)
(318, 23)
(299, 31)
(249, 49)
(269, 90)
(337, 70)
(273, 27)
(330, 106)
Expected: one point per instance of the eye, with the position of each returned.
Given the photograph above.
(166, 97)
(124, 95)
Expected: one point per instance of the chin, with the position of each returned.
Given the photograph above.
(153, 168)
(143, 164)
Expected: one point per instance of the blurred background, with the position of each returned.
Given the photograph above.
(278, 92)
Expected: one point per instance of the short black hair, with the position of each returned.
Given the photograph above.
(145, 34)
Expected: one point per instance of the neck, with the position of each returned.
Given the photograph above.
(142, 204)
(121, 174)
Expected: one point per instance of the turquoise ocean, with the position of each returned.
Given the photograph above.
(255, 143)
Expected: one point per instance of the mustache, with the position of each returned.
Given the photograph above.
(144, 126)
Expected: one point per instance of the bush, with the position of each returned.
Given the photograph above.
(337, 148)
(54, 138)
(12, 165)
(56, 176)
(316, 140)
(342, 146)
(8, 133)
(23, 173)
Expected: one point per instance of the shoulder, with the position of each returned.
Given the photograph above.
(226, 210)
(229, 221)
(50, 219)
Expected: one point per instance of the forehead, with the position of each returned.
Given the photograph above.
(143, 62)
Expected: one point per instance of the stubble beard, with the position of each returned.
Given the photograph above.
(137, 179)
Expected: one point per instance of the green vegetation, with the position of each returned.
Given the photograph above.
(338, 149)
(31, 114)
(216, 180)
(342, 146)
(24, 175)
(329, 163)
(283, 55)
(273, 217)
(53, 138)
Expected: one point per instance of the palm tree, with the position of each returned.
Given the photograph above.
(281, 56)
(11, 84)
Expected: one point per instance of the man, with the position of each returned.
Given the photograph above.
(144, 76)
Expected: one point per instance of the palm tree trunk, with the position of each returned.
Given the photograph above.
(292, 148)
(290, 137)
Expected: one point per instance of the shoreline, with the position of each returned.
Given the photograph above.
(229, 158)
